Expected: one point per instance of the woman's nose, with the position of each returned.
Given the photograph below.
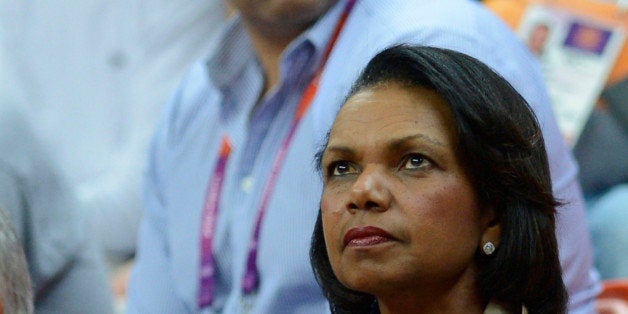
(370, 191)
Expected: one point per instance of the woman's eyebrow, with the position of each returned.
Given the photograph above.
(403, 142)
(342, 150)
(397, 144)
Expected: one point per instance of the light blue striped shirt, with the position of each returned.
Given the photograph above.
(219, 96)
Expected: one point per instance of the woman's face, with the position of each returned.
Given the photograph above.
(399, 212)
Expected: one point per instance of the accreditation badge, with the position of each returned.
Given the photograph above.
(577, 54)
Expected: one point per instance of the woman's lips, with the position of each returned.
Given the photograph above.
(366, 236)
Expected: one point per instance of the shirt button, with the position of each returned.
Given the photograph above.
(247, 184)
(117, 60)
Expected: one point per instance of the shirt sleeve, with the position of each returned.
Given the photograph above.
(114, 199)
(151, 286)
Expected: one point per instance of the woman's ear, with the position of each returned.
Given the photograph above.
(492, 232)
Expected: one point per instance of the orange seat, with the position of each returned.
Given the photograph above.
(615, 288)
(614, 297)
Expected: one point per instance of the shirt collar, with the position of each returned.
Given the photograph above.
(320, 33)
(231, 54)
(235, 50)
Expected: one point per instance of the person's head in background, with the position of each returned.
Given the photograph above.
(273, 24)
(538, 38)
(15, 283)
(432, 156)
(280, 19)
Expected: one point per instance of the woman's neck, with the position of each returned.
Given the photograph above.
(459, 296)
(409, 305)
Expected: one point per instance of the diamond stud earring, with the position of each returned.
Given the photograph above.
(488, 248)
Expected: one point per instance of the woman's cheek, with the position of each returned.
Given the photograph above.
(332, 215)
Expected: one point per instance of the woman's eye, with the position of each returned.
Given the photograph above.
(415, 161)
(340, 168)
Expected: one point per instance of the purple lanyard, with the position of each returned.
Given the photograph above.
(250, 281)
(210, 214)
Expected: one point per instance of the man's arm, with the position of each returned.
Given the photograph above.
(151, 287)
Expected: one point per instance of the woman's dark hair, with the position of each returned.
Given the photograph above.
(501, 146)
